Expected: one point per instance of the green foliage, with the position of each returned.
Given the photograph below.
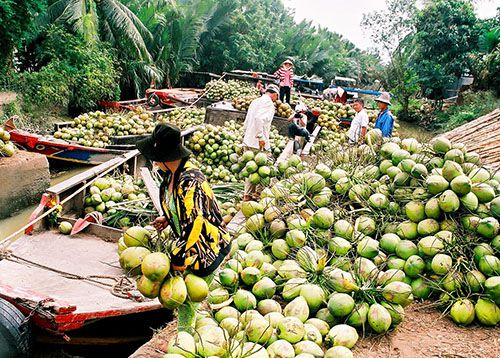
(445, 35)
(473, 106)
(15, 18)
(392, 30)
(76, 75)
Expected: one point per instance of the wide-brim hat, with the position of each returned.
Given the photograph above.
(164, 144)
(287, 61)
(384, 98)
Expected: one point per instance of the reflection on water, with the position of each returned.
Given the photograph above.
(412, 130)
(14, 223)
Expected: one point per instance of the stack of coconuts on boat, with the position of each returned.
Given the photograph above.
(337, 249)
(7, 148)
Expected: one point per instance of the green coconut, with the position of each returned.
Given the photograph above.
(427, 227)
(488, 227)
(291, 329)
(441, 145)
(149, 289)
(298, 308)
(455, 155)
(449, 202)
(197, 288)
(155, 266)
(461, 185)
(462, 312)
(244, 300)
(469, 201)
(344, 229)
(430, 245)
(281, 349)
(484, 192)
(343, 335)
(314, 295)
(487, 312)
(379, 318)
(211, 341)
(479, 175)
(312, 333)
(264, 288)
(405, 249)
(136, 236)
(407, 230)
(258, 330)
(397, 292)
(367, 247)
(339, 352)
(357, 317)
(420, 288)
(308, 347)
(475, 280)
(415, 211)
(489, 265)
(173, 292)
(451, 170)
(131, 259)
(414, 266)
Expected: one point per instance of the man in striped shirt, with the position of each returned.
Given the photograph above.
(285, 76)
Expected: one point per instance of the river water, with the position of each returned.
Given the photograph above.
(19, 219)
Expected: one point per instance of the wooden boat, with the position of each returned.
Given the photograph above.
(59, 149)
(63, 283)
(164, 98)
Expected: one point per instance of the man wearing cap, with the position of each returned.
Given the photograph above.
(385, 120)
(285, 76)
(257, 127)
(189, 207)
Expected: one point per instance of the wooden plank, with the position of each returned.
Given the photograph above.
(152, 188)
(314, 136)
(91, 173)
(235, 224)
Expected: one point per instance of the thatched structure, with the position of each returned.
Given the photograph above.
(482, 136)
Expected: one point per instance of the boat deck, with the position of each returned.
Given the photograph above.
(81, 254)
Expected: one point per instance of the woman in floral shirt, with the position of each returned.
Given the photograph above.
(189, 208)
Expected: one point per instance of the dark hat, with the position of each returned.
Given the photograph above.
(164, 144)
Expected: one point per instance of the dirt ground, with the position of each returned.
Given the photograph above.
(423, 333)
(7, 97)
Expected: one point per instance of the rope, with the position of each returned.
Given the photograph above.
(48, 212)
(122, 287)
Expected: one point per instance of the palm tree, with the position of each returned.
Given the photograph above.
(113, 22)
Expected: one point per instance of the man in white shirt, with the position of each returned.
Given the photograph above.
(257, 128)
(258, 119)
(359, 124)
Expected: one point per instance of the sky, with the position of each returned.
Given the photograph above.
(344, 17)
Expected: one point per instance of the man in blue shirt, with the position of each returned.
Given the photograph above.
(385, 121)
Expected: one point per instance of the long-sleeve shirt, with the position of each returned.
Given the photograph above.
(258, 122)
(199, 240)
(385, 122)
(285, 76)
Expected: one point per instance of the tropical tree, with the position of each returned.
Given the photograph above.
(108, 21)
(445, 36)
(393, 31)
(15, 19)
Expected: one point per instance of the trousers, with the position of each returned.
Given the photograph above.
(285, 92)
(294, 129)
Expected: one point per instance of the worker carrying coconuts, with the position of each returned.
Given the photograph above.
(257, 127)
(285, 76)
(359, 123)
(190, 209)
(385, 120)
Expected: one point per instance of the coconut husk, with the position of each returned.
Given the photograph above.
(481, 135)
